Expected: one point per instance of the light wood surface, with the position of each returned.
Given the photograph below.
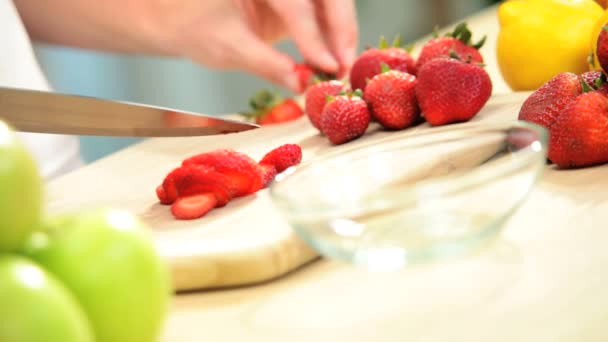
(544, 279)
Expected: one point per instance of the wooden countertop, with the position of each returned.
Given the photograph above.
(543, 280)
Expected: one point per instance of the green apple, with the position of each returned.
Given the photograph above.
(106, 258)
(21, 191)
(36, 307)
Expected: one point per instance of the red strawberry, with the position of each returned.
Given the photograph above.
(545, 104)
(593, 78)
(450, 90)
(162, 196)
(457, 42)
(283, 157)
(190, 180)
(316, 99)
(579, 136)
(391, 97)
(268, 174)
(269, 108)
(195, 206)
(596, 80)
(308, 75)
(344, 118)
(602, 48)
(368, 64)
(240, 168)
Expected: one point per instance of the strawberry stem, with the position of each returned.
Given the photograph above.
(261, 102)
(586, 87)
(462, 33)
(397, 41)
(600, 81)
(591, 58)
(454, 55)
(436, 31)
(358, 93)
(480, 43)
(384, 68)
(383, 44)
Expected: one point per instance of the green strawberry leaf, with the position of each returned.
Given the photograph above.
(586, 87)
(384, 68)
(383, 44)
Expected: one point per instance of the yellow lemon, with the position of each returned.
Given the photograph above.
(539, 39)
(594, 63)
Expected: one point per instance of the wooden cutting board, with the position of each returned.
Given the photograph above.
(245, 242)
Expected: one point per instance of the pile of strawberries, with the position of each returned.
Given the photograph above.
(574, 109)
(211, 179)
(446, 84)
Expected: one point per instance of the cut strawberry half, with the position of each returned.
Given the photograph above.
(192, 207)
(238, 167)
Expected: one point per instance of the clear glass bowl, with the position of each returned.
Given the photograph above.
(413, 198)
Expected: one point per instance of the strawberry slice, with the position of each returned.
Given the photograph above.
(238, 167)
(268, 173)
(283, 157)
(162, 195)
(195, 206)
(196, 179)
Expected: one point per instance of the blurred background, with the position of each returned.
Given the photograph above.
(181, 84)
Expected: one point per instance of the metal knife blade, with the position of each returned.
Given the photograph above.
(51, 112)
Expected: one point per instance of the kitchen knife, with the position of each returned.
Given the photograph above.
(51, 112)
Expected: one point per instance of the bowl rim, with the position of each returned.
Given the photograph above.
(453, 182)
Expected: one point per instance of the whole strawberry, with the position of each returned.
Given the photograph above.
(457, 42)
(450, 90)
(345, 118)
(368, 64)
(579, 137)
(316, 99)
(271, 108)
(602, 48)
(391, 97)
(546, 103)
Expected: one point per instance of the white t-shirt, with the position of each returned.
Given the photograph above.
(55, 154)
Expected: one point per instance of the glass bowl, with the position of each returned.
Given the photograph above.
(407, 199)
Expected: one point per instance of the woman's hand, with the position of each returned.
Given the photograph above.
(222, 34)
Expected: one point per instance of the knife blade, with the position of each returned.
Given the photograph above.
(52, 112)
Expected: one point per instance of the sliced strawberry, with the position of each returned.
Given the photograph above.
(268, 174)
(258, 180)
(239, 167)
(192, 207)
(195, 179)
(283, 157)
(168, 185)
(162, 196)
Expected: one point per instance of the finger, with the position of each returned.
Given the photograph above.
(256, 57)
(301, 21)
(340, 21)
